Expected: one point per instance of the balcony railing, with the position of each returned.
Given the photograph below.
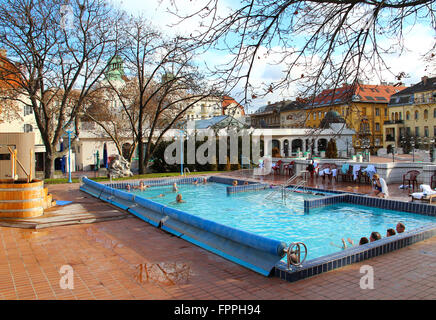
(390, 138)
(394, 122)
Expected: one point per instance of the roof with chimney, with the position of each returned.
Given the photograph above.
(406, 96)
(366, 93)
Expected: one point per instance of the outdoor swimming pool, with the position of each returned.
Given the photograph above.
(321, 229)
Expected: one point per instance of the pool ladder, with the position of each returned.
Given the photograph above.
(186, 170)
(294, 253)
(283, 188)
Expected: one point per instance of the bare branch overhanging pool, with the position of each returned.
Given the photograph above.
(255, 212)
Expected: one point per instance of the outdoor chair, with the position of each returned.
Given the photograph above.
(348, 175)
(433, 181)
(289, 168)
(363, 176)
(324, 170)
(410, 179)
(333, 172)
(427, 194)
(276, 167)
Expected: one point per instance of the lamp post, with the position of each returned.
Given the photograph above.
(412, 144)
(393, 153)
(181, 152)
(69, 133)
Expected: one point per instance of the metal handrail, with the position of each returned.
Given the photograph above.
(294, 256)
(184, 171)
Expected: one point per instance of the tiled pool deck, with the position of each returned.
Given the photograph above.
(130, 259)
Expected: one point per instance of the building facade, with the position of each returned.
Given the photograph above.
(412, 115)
(364, 108)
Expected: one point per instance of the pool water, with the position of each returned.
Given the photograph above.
(321, 229)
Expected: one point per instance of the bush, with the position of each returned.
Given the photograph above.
(332, 150)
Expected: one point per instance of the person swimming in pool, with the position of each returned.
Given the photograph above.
(390, 232)
(195, 181)
(235, 183)
(128, 187)
(400, 227)
(142, 186)
(159, 196)
(362, 241)
(374, 236)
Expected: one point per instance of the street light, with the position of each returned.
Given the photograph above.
(69, 133)
(393, 153)
(366, 145)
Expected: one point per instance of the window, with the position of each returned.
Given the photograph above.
(426, 114)
(425, 131)
(416, 115)
(377, 111)
(434, 131)
(417, 131)
(5, 156)
(386, 112)
(434, 113)
(401, 116)
(377, 126)
(27, 110)
(408, 115)
(28, 128)
(314, 115)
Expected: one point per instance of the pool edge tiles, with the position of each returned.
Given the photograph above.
(353, 255)
(252, 251)
(317, 265)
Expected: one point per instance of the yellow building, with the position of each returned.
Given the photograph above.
(412, 113)
(364, 108)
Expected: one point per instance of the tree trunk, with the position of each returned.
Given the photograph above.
(49, 165)
(140, 147)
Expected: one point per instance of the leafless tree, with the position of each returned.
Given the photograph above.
(164, 83)
(320, 43)
(62, 48)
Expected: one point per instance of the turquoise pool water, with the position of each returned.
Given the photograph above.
(321, 229)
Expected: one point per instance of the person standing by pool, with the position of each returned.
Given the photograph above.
(175, 189)
(380, 187)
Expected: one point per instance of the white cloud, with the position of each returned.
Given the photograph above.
(418, 40)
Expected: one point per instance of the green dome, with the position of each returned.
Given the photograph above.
(115, 69)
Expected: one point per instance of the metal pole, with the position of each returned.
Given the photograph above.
(69, 156)
(181, 152)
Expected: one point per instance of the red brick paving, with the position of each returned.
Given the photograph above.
(129, 259)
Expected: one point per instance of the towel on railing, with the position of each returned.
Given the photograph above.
(356, 169)
(345, 168)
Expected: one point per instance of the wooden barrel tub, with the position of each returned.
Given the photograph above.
(21, 199)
